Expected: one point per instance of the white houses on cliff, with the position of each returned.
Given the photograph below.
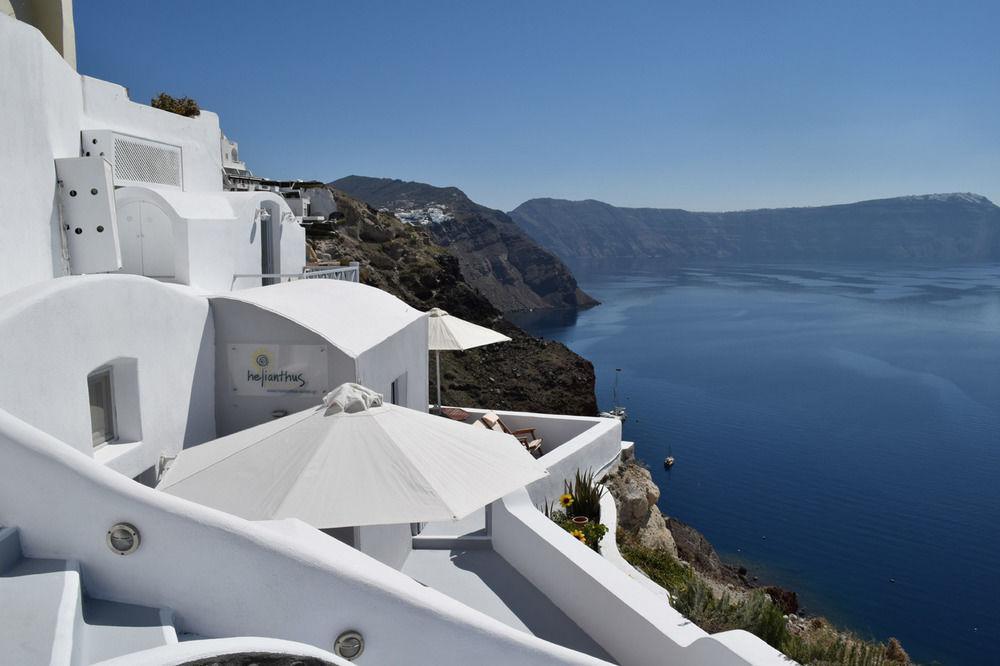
(146, 310)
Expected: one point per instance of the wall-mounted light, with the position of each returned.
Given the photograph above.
(123, 538)
(349, 645)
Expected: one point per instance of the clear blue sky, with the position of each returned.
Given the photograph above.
(701, 105)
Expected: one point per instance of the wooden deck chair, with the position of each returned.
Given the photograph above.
(526, 436)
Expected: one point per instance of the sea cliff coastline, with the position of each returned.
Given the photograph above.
(681, 559)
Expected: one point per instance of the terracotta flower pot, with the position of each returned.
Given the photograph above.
(580, 520)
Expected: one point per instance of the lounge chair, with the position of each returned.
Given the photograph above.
(526, 436)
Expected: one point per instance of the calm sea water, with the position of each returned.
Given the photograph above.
(836, 428)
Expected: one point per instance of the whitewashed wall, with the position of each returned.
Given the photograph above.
(41, 105)
(217, 235)
(106, 106)
(404, 353)
(44, 105)
(291, 256)
(243, 323)
(389, 544)
(53, 335)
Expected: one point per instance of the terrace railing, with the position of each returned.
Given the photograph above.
(349, 273)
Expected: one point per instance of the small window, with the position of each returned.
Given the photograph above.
(102, 407)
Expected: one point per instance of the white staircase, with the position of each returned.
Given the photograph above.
(50, 620)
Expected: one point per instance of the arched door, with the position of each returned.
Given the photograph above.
(146, 234)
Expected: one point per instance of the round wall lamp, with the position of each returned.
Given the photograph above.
(349, 645)
(123, 538)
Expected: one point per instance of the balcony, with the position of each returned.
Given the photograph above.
(569, 443)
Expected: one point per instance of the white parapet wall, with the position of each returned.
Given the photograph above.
(633, 624)
(224, 576)
(569, 444)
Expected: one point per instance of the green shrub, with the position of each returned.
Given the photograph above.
(755, 613)
(819, 645)
(182, 106)
(831, 647)
(661, 567)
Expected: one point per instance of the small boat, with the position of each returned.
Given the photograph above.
(669, 461)
(616, 412)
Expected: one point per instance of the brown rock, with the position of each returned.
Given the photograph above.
(635, 498)
(786, 600)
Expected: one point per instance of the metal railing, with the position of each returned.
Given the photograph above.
(350, 273)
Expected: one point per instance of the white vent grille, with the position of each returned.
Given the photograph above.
(135, 160)
(146, 162)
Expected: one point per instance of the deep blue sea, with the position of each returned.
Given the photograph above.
(836, 429)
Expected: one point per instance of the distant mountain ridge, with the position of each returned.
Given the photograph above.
(495, 255)
(930, 227)
(403, 260)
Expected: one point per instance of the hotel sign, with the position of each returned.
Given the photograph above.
(265, 369)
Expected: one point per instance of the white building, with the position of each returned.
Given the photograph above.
(139, 306)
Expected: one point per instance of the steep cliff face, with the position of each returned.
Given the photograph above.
(935, 227)
(496, 257)
(527, 373)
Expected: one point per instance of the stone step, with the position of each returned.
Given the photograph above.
(44, 603)
(113, 629)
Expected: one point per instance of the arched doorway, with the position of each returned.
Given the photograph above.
(146, 234)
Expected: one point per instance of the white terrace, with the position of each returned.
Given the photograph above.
(144, 311)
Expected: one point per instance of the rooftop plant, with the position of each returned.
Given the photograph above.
(585, 492)
(182, 106)
(581, 499)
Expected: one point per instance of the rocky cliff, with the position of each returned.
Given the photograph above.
(663, 542)
(495, 256)
(936, 227)
(526, 373)
(636, 496)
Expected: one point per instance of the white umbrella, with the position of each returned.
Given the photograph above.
(353, 461)
(448, 333)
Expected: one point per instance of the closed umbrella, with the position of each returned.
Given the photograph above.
(448, 333)
(353, 461)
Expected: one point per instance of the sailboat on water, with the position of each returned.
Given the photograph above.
(616, 411)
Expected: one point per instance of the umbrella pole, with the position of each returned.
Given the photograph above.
(437, 365)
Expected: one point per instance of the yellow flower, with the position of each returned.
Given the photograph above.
(566, 500)
(579, 535)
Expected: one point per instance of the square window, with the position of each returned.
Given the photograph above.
(102, 407)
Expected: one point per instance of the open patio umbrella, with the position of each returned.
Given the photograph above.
(353, 461)
(448, 333)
